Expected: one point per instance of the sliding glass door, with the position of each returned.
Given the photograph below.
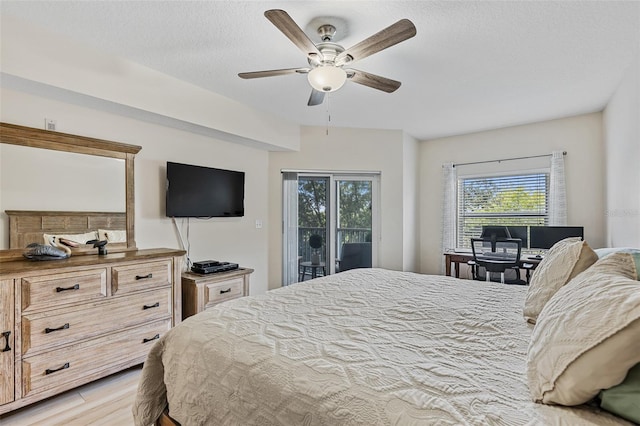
(329, 223)
(353, 230)
(313, 225)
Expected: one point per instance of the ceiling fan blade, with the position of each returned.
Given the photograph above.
(392, 35)
(316, 98)
(373, 81)
(284, 23)
(273, 73)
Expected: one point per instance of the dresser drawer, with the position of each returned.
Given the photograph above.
(58, 367)
(221, 291)
(141, 276)
(50, 291)
(51, 329)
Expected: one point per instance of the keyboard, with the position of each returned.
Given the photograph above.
(497, 256)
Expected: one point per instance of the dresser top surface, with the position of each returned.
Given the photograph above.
(17, 266)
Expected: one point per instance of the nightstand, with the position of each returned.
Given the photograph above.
(200, 292)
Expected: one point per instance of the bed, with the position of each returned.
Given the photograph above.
(367, 346)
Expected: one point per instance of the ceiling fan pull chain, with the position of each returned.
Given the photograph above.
(328, 113)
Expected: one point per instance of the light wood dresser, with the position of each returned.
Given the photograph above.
(67, 322)
(200, 292)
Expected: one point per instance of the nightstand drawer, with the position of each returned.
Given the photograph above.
(58, 367)
(200, 292)
(225, 290)
(51, 329)
(50, 291)
(141, 276)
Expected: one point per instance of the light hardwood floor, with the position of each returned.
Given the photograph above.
(105, 402)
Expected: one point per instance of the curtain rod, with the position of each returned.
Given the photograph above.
(334, 172)
(506, 159)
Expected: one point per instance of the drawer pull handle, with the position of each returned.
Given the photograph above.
(155, 305)
(6, 335)
(53, 370)
(144, 277)
(62, 327)
(225, 291)
(145, 340)
(75, 287)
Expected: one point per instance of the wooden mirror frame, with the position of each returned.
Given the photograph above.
(46, 139)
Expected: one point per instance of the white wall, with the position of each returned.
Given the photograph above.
(411, 247)
(38, 57)
(345, 149)
(580, 136)
(236, 240)
(622, 142)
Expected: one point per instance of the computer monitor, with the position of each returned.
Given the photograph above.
(520, 232)
(544, 237)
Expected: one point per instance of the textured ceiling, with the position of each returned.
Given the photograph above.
(473, 65)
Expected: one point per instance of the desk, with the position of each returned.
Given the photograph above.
(314, 269)
(457, 258)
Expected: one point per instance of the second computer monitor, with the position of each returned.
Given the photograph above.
(544, 237)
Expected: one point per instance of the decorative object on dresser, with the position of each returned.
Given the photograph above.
(71, 321)
(200, 292)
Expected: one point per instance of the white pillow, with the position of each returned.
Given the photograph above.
(588, 335)
(565, 260)
(113, 235)
(78, 238)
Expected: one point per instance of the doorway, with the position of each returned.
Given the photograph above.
(330, 223)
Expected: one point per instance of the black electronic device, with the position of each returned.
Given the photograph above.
(196, 191)
(544, 237)
(205, 264)
(220, 267)
(521, 233)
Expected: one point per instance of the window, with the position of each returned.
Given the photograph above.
(511, 200)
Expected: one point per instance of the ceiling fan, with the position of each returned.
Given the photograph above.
(329, 63)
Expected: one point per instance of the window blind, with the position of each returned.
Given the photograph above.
(518, 199)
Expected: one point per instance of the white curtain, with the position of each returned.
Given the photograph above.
(289, 228)
(557, 191)
(448, 209)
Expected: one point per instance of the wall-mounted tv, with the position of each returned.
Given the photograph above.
(196, 191)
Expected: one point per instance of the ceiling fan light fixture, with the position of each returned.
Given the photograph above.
(327, 78)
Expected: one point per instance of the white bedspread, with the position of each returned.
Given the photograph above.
(364, 347)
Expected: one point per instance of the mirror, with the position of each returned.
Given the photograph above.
(62, 172)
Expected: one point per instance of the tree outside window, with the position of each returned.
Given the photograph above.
(500, 200)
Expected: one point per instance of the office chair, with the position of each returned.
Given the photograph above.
(354, 255)
(493, 256)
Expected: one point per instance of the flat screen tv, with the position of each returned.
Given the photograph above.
(196, 191)
(543, 237)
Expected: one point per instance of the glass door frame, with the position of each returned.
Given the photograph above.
(374, 178)
(331, 213)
